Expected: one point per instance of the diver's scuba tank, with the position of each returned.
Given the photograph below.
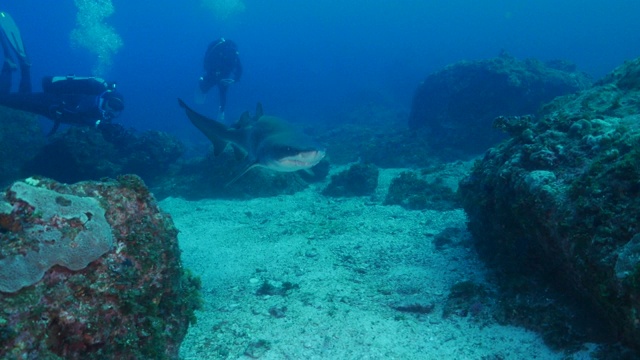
(71, 84)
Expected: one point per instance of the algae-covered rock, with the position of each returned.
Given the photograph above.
(81, 153)
(358, 180)
(412, 191)
(561, 197)
(457, 104)
(109, 282)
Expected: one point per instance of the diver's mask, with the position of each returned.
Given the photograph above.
(110, 104)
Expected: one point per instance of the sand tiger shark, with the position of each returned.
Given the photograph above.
(267, 141)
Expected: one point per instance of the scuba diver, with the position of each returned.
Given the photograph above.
(220, 61)
(65, 99)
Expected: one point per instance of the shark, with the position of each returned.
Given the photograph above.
(263, 141)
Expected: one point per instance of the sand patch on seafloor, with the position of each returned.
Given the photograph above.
(349, 262)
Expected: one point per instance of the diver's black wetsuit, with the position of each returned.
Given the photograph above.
(65, 99)
(72, 109)
(74, 104)
(220, 61)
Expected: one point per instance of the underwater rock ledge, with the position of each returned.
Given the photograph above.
(90, 271)
(457, 104)
(561, 197)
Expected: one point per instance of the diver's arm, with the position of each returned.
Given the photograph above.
(82, 110)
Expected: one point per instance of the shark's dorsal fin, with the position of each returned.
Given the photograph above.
(244, 121)
(239, 153)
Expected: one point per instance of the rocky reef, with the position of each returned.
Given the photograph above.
(376, 133)
(20, 140)
(412, 191)
(358, 180)
(90, 271)
(456, 105)
(82, 153)
(432, 187)
(560, 198)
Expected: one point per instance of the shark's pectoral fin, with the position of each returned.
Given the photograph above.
(218, 146)
(210, 128)
(249, 164)
(239, 153)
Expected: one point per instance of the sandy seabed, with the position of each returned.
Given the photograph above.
(337, 268)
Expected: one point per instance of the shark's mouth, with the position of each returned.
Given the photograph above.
(299, 161)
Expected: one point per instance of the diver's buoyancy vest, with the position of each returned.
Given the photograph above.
(75, 85)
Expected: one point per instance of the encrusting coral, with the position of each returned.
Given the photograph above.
(90, 271)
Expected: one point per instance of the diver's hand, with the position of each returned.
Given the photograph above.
(227, 82)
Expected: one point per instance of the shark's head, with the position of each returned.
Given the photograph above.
(285, 148)
(289, 159)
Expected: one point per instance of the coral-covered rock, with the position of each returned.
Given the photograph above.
(82, 153)
(562, 197)
(90, 271)
(77, 154)
(457, 104)
(416, 191)
(358, 180)
(65, 230)
(151, 154)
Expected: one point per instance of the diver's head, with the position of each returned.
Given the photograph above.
(111, 104)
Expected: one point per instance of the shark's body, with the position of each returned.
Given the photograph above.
(267, 141)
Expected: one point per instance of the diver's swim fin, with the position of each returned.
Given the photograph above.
(12, 33)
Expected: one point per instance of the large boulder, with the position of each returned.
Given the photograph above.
(456, 105)
(90, 271)
(561, 197)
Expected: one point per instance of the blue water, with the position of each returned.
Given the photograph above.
(311, 60)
